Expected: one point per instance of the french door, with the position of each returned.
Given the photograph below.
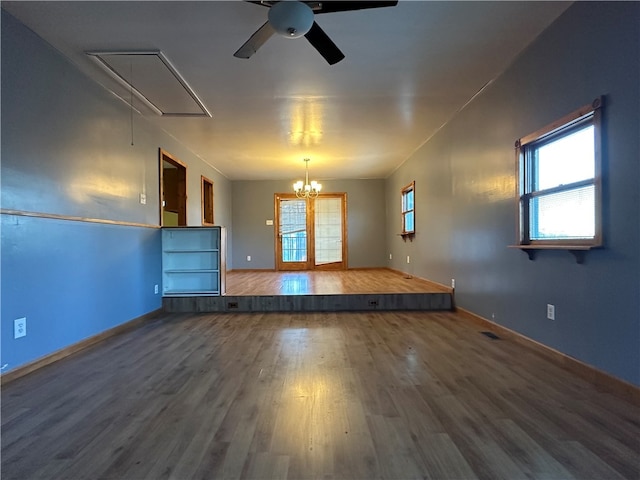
(311, 233)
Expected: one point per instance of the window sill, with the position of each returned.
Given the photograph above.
(578, 251)
(408, 235)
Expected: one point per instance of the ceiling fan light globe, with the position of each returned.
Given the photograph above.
(291, 19)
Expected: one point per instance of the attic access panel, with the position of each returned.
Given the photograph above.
(153, 79)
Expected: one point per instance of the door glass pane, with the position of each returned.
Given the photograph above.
(328, 230)
(293, 230)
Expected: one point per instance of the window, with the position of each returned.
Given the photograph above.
(207, 201)
(408, 209)
(560, 182)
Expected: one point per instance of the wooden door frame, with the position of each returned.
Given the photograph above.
(310, 264)
(204, 201)
(277, 241)
(182, 212)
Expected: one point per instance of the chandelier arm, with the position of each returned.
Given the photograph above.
(308, 190)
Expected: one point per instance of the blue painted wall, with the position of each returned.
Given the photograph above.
(465, 194)
(66, 150)
(72, 280)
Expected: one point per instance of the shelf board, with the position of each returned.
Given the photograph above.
(184, 293)
(578, 251)
(199, 250)
(407, 235)
(191, 270)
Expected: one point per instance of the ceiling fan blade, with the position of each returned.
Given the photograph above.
(262, 3)
(256, 40)
(324, 44)
(339, 6)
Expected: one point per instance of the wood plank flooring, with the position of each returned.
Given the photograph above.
(384, 395)
(347, 282)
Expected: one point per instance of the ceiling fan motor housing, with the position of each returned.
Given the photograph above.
(291, 19)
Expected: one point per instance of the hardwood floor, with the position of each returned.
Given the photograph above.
(393, 395)
(379, 280)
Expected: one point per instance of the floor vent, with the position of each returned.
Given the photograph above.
(491, 335)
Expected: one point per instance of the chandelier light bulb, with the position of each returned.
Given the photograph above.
(307, 189)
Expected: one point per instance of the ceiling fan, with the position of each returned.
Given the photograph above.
(293, 19)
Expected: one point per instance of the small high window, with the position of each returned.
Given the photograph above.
(560, 182)
(408, 209)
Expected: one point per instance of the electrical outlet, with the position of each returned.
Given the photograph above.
(551, 311)
(453, 283)
(408, 259)
(143, 198)
(248, 258)
(390, 256)
(155, 289)
(20, 327)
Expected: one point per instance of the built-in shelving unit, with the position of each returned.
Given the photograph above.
(193, 261)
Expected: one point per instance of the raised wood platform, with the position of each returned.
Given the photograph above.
(319, 291)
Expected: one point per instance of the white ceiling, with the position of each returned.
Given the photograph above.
(407, 70)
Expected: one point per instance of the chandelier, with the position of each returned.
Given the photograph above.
(306, 189)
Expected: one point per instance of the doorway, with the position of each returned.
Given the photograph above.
(311, 234)
(173, 191)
